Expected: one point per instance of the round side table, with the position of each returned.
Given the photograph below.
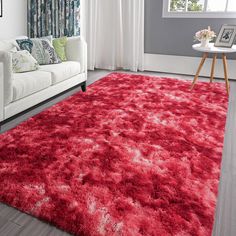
(215, 51)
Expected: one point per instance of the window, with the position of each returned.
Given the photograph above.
(199, 8)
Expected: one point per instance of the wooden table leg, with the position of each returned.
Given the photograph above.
(226, 72)
(213, 67)
(199, 69)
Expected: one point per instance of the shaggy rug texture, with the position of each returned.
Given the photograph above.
(134, 155)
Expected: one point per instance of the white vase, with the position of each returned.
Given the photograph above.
(205, 43)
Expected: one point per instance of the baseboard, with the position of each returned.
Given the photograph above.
(186, 65)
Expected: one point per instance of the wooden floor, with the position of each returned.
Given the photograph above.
(14, 222)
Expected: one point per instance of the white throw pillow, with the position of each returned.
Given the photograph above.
(22, 61)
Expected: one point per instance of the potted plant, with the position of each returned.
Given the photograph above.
(205, 36)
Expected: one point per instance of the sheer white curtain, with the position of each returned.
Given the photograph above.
(114, 31)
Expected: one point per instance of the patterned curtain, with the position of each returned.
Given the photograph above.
(53, 17)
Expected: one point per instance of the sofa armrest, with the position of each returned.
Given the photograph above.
(76, 50)
(6, 77)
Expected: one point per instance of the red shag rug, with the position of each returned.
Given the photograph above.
(134, 155)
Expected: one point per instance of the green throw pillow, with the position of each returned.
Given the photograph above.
(59, 45)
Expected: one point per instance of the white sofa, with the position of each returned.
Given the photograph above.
(20, 91)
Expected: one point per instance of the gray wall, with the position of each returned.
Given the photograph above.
(174, 36)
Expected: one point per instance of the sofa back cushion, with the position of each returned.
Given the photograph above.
(41, 49)
(8, 45)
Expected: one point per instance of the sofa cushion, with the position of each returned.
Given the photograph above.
(25, 84)
(62, 71)
(8, 45)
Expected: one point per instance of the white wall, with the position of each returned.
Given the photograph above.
(14, 20)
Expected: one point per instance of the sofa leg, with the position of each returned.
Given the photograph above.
(83, 87)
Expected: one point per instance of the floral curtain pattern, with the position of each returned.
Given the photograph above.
(53, 17)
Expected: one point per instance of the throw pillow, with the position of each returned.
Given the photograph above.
(44, 52)
(60, 47)
(41, 49)
(22, 61)
(25, 44)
